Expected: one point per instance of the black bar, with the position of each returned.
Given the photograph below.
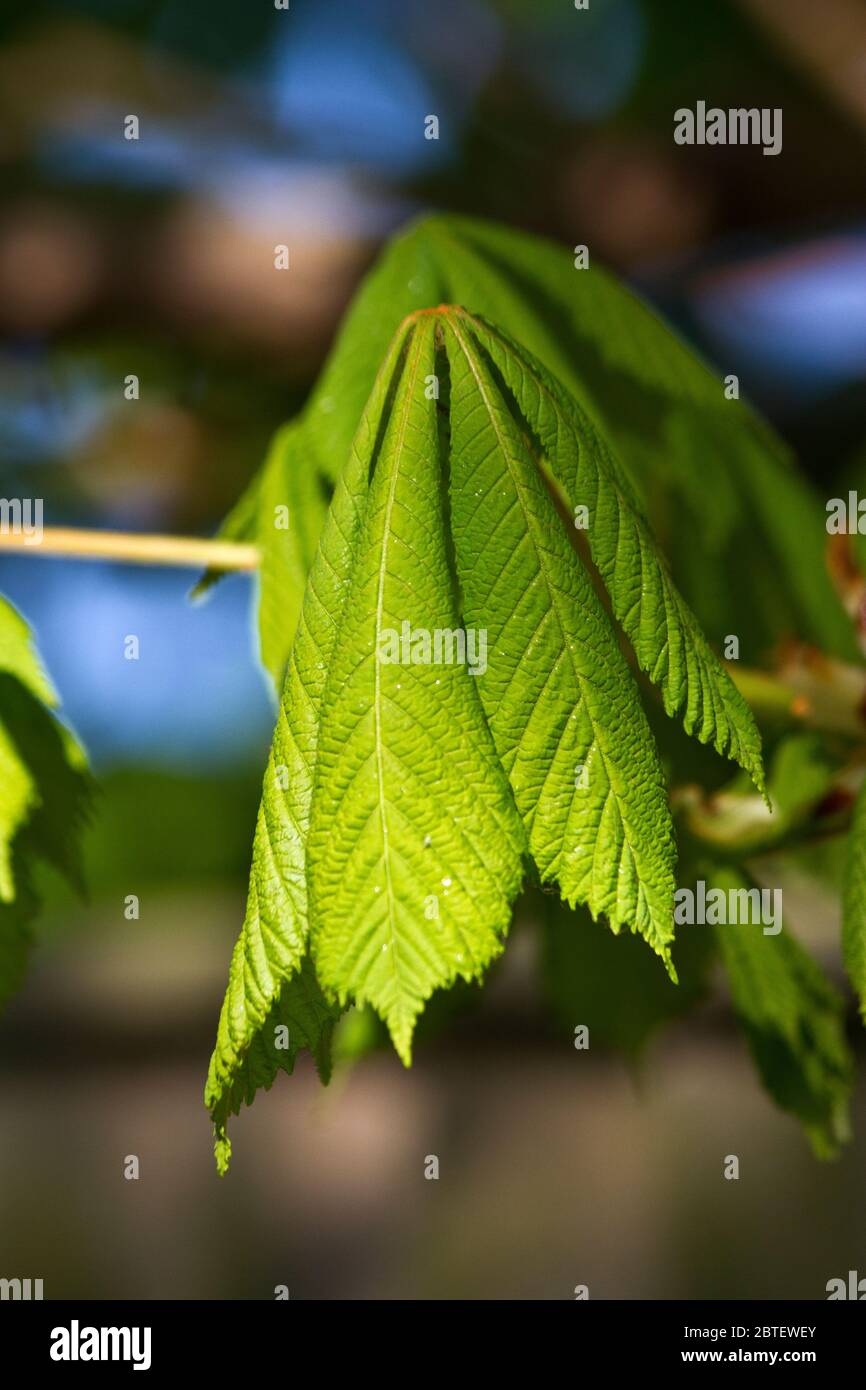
(251, 1339)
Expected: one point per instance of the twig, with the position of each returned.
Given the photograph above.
(134, 548)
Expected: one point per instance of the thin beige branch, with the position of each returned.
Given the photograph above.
(134, 548)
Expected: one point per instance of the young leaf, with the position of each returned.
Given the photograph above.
(273, 943)
(667, 640)
(559, 698)
(416, 783)
(415, 844)
(793, 1020)
(854, 902)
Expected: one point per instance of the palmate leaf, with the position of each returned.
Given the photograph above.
(680, 440)
(414, 789)
(793, 1020)
(45, 791)
(664, 412)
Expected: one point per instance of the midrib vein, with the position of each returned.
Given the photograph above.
(380, 603)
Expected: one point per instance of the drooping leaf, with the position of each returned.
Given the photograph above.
(793, 1020)
(559, 698)
(418, 779)
(415, 844)
(274, 938)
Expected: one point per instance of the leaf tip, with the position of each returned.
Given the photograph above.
(401, 1037)
(222, 1148)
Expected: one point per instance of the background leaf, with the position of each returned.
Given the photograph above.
(793, 1020)
(610, 983)
(45, 791)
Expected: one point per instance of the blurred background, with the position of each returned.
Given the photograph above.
(304, 126)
